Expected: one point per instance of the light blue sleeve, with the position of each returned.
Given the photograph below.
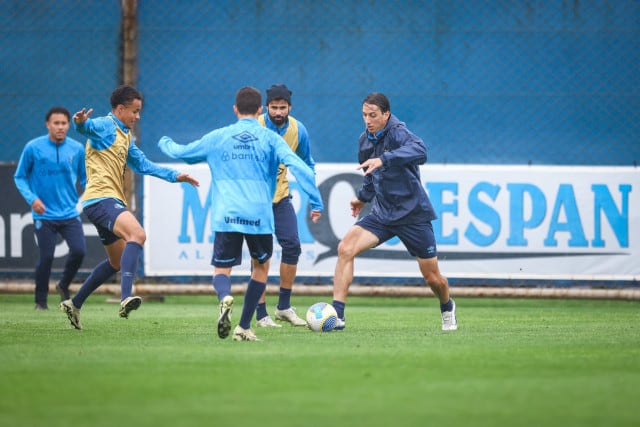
(21, 176)
(304, 146)
(140, 164)
(81, 170)
(305, 176)
(194, 152)
(100, 131)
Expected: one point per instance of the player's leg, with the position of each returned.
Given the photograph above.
(46, 236)
(227, 253)
(127, 227)
(286, 229)
(72, 233)
(356, 241)
(420, 241)
(103, 271)
(102, 215)
(440, 287)
(436, 281)
(261, 248)
(222, 285)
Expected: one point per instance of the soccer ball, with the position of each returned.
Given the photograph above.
(321, 317)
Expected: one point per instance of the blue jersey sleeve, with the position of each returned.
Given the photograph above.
(21, 176)
(101, 132)
(82, 171)
(304, 146)
(139, 163)
(305, 176)
(194, 152)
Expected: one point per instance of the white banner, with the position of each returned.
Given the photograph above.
(495, 222)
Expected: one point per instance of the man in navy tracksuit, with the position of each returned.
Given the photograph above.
(49, 172)
(390, 156)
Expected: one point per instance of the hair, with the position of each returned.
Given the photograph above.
(279, 91)
(57, 110)
(124, 95)
(379, 99)
(248, 100)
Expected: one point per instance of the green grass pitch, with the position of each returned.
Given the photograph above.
(513, 362)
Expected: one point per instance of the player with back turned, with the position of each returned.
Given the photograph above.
(243, 159)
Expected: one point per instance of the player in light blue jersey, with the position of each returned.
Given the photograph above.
(243, 159)
(50, 170)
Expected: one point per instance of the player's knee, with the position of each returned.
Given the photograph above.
(291, 255)
(139, 236)
(346, 250)
(433, 278)
(77, 251)
(77, 255)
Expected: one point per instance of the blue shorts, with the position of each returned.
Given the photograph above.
(417, 238)
(103, 216)
(227, 248)
(286, 230)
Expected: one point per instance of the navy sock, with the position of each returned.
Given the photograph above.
(98, 276)
(251, 298)
(261, 311)
(446, 307)
(339, 306)
(128, 267)
(284, 300)
(222, 285)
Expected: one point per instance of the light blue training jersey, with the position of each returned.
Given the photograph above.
(243, 159)
(52, 172)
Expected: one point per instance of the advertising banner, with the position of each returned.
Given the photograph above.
(495, 222)
(18, 246)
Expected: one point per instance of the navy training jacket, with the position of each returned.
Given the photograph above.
(395, 189)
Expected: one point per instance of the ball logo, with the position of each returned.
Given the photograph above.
(321, 317)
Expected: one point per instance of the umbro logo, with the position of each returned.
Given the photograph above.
(245, 137)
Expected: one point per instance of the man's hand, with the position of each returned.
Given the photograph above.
(82, 116)
(184, 177)
(315, 215)
(38, 206)
(356, 206)
(370, 165)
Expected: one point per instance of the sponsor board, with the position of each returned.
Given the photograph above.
(495, 222)
(18, 245)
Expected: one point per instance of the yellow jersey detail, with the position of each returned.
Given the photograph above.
(291, 137)
(106, 168)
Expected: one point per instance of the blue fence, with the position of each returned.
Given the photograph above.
(490, 82)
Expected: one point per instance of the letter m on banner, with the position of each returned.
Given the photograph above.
(199, 211)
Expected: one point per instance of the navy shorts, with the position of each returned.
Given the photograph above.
(103, 216)
(286, 230)
(227, 248)
(417, 238)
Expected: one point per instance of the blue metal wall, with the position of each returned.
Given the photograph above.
(482, 82)
(59, 52)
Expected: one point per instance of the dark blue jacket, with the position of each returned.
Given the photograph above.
(395, 189)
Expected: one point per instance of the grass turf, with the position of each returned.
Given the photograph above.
(525, 362)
